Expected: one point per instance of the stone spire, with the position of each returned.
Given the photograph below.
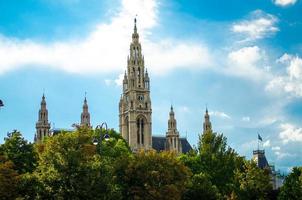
(173, 142)
(207, 126)
(42, 125)
(135, 110)
(135, 35)
(85, 116)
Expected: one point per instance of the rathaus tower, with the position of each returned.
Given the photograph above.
(135, 104)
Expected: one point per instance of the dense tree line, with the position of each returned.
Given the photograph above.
(70, 166)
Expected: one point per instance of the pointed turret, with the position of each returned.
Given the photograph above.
(207, 126)
(172, 136)
(42, 125)
(85, 116)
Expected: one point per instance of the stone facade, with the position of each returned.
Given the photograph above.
(135, 111)
(42, 125)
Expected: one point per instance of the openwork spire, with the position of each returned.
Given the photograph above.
(135, 35)
(207, 126)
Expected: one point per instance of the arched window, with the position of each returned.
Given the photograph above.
(142, 130)
(127, 129)
(140, 125)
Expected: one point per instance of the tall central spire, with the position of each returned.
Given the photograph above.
(135, 103)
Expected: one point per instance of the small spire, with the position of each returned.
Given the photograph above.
(85, 100)
(135, 34)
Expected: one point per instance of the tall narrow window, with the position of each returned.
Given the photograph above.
(142, 130)
(138, 130)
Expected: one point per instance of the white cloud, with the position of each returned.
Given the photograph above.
(119, 80)
(290, 133)
(106, 48)
(276, 148)
(291, 82)
(259, 25)
(219, 114)
(282, 155)
(246, 62)
(185, 109)
(246, 119)
(284, 3)
(108, 82)
(267, 143)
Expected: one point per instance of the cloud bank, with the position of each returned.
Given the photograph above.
(258, 25)
(106, 48)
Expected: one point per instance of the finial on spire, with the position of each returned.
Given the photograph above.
(135, 29)
(85, 99)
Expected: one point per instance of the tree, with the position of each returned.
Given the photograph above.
(9, 179)
(200, 187)
(292, 187)
(214, 159)
(70, 168)
(151, 175)
(19, 151)
(253, 182)
(219, 161)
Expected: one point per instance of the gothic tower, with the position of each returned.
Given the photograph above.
(42, 125)
(135, 103)
(85, 115)
(172, 136)
(207, 126)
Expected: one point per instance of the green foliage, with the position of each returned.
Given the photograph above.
(292, 187)
(215, 160)
(9, 179)
(19, 151)
(252, 182)
(115, 147)
(151, 175)
(219, 161)
(200, 187)
(70, 168)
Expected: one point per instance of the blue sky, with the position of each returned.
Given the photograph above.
(242, 59)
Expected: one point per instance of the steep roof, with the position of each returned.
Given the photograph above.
(159, 142)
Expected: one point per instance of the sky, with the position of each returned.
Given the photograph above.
(241, 59)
